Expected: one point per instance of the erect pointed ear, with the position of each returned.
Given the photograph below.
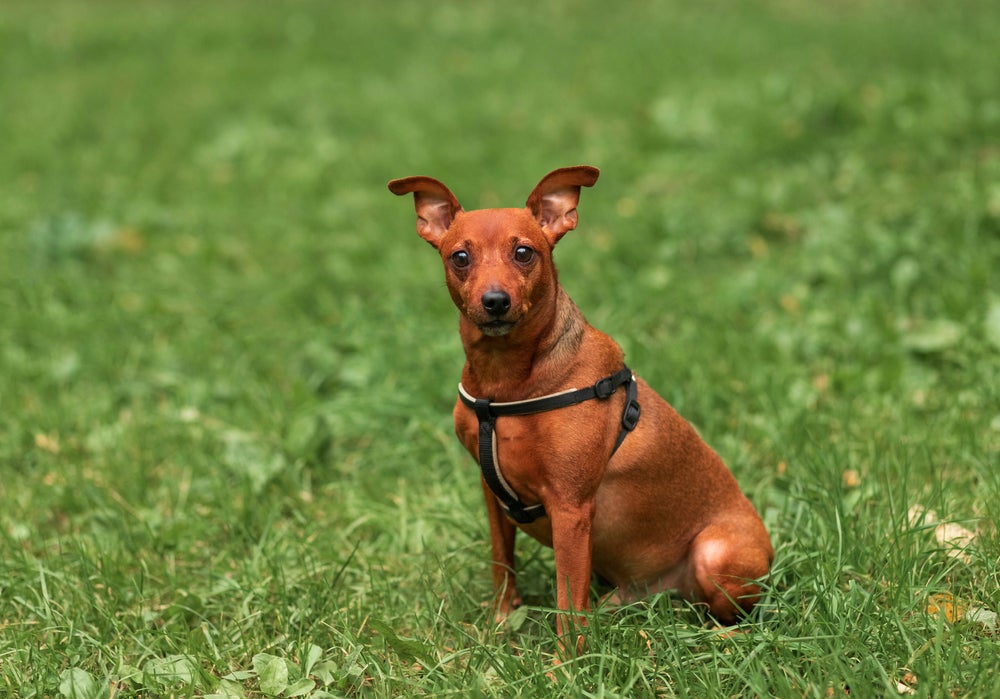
(553, 201)
(436, 205)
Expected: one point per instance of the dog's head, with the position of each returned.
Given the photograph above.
(498, 262)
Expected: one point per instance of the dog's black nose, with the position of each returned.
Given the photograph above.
(496, 303)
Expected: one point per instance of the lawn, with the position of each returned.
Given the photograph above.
(227, 361)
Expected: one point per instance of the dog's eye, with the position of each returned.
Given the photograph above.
(460, 259)
(524, 254)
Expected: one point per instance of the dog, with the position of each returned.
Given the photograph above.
(609, 475)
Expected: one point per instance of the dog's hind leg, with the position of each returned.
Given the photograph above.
(726, 560)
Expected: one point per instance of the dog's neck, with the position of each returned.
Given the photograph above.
(533, 357)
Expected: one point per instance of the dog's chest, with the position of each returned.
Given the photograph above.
(523, 446)
(519, 438)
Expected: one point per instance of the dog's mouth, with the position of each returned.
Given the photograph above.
(495, 328)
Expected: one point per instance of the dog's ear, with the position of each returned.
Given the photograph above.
(553, 201)
(436, 205)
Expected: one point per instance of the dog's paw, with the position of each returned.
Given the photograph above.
(505, 607)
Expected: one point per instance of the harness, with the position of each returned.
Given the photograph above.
(488, 411)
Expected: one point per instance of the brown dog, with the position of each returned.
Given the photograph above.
(662, 512)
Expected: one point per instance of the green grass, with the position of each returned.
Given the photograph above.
(227, 361)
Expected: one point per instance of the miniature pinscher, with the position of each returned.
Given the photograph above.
(609, 475)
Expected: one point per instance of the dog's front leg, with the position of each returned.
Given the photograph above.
(573, 546)
(502, 532)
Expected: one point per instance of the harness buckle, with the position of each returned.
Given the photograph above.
(605, 387)
(523, 515)
(630, 416)
(482, 408)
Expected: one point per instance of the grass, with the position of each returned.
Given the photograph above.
(227, 361)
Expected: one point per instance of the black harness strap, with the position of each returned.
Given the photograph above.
(487, 413)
